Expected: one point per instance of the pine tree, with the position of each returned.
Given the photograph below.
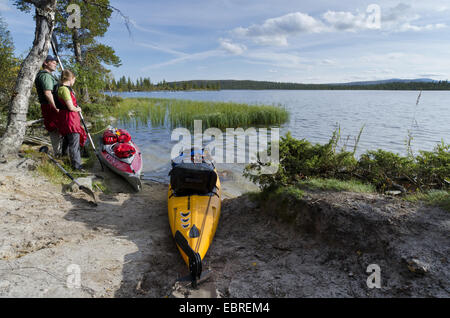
(88, 55)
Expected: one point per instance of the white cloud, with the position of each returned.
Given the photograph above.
(428, 27)
(345, 21)
(4, 5)
(185, 58)
(275, 31)
(158, 47)
(400, 13)
(402, 18)
(233, 48)
(327, 62)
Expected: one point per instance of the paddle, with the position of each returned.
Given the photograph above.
(86, 190)
(54, 43)
(91, 141)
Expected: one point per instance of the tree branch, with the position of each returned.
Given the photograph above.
(111, 8)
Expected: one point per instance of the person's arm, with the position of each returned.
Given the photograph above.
(48, 94)
(64, 94)
(71, 107)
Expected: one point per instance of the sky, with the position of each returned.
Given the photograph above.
(302, 41)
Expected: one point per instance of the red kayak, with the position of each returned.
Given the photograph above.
(122, 155)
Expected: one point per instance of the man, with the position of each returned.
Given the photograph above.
(45, 83)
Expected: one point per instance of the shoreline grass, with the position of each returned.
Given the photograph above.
(423, 177)
(333, 184)
(182, 113)
(440, 198)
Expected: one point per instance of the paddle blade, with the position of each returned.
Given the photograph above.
(88, 192)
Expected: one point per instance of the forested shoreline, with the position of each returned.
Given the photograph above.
(124, 84)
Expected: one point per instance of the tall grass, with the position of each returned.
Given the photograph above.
(182, 113)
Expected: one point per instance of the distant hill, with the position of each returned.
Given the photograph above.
(389, 84)
(392, 80)
(144, 84)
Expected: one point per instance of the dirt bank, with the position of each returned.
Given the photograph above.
(123, 246)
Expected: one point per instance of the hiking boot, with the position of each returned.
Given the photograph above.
(80, 169)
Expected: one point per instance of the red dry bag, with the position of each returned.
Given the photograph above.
(123, 135)
(109, 137)
(124, 150)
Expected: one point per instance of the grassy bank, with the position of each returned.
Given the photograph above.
(425, 177)
(182, 113)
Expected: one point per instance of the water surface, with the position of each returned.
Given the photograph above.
(387, 118)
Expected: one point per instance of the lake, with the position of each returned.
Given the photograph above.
(387, 117)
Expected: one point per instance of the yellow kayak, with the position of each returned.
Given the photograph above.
(193, 208)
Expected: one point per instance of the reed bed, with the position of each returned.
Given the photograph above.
(182, 113)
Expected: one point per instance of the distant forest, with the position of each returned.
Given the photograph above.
(144, 84)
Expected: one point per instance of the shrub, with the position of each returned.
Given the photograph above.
(300, 161)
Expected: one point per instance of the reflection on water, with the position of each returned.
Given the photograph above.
(386, 116)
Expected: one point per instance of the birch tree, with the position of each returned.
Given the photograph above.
(13, 137)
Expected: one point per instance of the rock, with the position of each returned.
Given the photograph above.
(4, 284)
(6, 252)
(393, 192)
(417, 266)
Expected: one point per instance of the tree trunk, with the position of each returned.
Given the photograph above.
(79, 59)
(18, 106)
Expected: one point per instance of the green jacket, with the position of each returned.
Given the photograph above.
(44, 82)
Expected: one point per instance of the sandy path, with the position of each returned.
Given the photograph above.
(123, 247)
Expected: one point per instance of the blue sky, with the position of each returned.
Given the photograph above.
(288, 41)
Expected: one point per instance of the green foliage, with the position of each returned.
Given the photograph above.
(124, 84)
(303, 164)
(105, 107)
(34, 111)
(256, 85)
(383, 168)
(182, 113)
(433, 167)
(88, 58)
(9, 67)
(299, 159)
(48, 169)
(439, 198)
(336, 185)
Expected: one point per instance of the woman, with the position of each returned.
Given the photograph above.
(69, 124)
